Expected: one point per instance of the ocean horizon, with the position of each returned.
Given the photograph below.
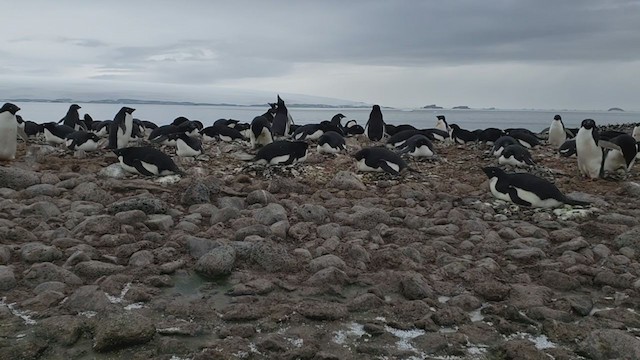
(162, 114)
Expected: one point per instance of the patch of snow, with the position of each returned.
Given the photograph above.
(443, 299)
(168, 180)
(134, 306)
(597, 309)
(405, 336)
(174, 357)
(88, 314)
(118, 299)
(25, 315)
(296, 342)
(541, 342)
(354, 330)
(169, 330)
(448, 329)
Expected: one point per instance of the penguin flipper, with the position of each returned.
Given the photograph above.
(513, 195)
(23, 134)
(159, 139)
(141, 169)
(384, 166)
(609, 145)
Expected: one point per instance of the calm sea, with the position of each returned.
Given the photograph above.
(535, 120)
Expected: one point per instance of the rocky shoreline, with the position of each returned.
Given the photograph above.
(312, 261)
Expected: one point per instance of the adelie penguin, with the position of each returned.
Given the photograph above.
(418, 146)
(260, 134)
(282, 120)
(121, 128)
(516, 155)
(221, 132)
(441, 123)
(81, 141)
(501, 143)
(351, 128)
(526, 189)
(8, 131)
(525, 138)
(462, 136)
(282, 152)
(72, 118)
(186, 146)
(620, 155)
(568, 148)
(331, 143)
(490, 135)
(379, 159)
(314, 131)
(55, 134)
(375, 125)
(557, 132)
(589, 152)
(146, 161)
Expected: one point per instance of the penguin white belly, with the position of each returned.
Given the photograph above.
(535, 200)
(636, 133)
(8, 136)
(279, 159)
(124, 136)
(362, 166)
(524, 143)
(207, 138)
(589, 155)
(126, 167)
(315, 135)
(511, 160)
(103, 132)
(152, 168)
(498, 151)
(184, 150)
(327, 149)
(89, 145)
(52, 139)
(557, 135)
(226, 138)
(496, 193)
(614, 162)
(421, 151)
(265, 137)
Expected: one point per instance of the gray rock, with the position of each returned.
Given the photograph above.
(5, 254)
(38, 252)
(41, 190)
(327, 231)
(146, 203)
(257, 229)
(260, 197)
(225, 214)
(17, 179)
(64, 329)
(217, 262)
(608, 277)
(528, 254)
(611, 344)
(159, 222)
(7, 278)
(121, 330)
(196, 193)
(370, 218)
(629, 238)
(326, 261)
(141, 258)
(581, 304)
(346, 180)
(601, 250)
(492, 290)
(572, 245)
(87, 298)
(270, 214)
(43, 272)
(414, 286)
(559, 281)
(94, 269)
(131, 216)
(271, 256)
(90, 191)
(197, 247)
(87, 208)
(231, 201)
(316, 310)
(314, 213)
(98, 225)
(44, 209)
(50, 286)
(280, 229)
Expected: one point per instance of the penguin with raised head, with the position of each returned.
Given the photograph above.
(260, 134)
(21, 125)
(331, 142)
(375, 125)
(589, 152)
(8, 131)
(441, 123)
(336, 120)
(72, 118)
(568, 148)
(526, 189)
(55, 134)
(221, 132)
(379, 159)
(352, 128)
(418, 146)
(281, 120)
(146, 161)
(557, 132)
(121, 128)
(516, 155)
(436, 134)
(490, 135)
(462, 136)
(282, 152)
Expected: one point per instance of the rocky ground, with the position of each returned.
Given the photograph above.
(312, 261)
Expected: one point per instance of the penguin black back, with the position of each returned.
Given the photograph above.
(375, 125)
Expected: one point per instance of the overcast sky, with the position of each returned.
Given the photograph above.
(569, 54)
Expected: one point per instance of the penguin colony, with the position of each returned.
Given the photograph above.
(277, 140)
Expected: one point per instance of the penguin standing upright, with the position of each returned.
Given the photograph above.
(8, 131)
(72, 118)
(375, 126)
(282, 120)
(442, 123)
(121, 128)
(557, 132)
(587, 149)
(260, 133)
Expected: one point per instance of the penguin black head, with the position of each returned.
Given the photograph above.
(129, 110)
(74, 107)
(12, 108)
(588, 124)
(440, 117)
(19, 119)
(557, 117)
(493, 171)
(454, 126)
(179, 120)
(376, 107)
